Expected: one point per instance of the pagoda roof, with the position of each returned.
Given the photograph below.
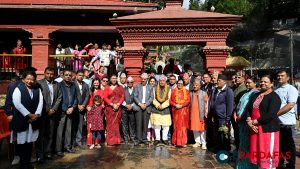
(78, 3)
(177, 13)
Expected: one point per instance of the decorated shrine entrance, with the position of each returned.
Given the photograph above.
(175, 26)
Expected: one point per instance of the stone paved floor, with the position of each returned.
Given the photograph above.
(129, 157)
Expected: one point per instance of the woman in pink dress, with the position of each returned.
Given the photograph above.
(113, 98)
(77, 60)
(264, 124)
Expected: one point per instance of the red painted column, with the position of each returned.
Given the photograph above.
(215, 56)
(133, 61)
(41, 49)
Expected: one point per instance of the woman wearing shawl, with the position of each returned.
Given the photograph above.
(180, 99)
(244, 131)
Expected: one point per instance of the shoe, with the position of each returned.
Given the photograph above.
(16, 160)
(203, 146)
(98, 146)
(60, 154)
(40, 160)
(49, 157)
(135, 143)
(92, 146)
(166, 142)
(145, 142)
(156, 142)
(196, 145)
(126, 142)
(70, 150)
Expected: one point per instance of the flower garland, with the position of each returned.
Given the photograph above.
(180, 101)
(157, 93)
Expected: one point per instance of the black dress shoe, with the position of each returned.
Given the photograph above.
(156, 142)
(70, 150)
(166, 142)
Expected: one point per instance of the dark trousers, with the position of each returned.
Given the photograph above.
(287, 145)
(25, 151)
(235, 127)
(211, 133)
(142, 120)
(128, 125)
(45, 139)
(64, 129)
(96, 133)
(77, 128)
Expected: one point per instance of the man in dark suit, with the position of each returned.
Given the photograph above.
(143, 97)
(68, 105)
(128, 119)
(222, 108)
(52, 99)
(83, 94)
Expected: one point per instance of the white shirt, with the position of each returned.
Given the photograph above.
(130, 90)
(50, 86)
(219, 90)
(29, 135)
(80, 87)
(144, 94)
(60, 51)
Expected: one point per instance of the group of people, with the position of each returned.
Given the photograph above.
(105, 57)
(161, 109)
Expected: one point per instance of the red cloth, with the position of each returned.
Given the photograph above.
(113, 118)
(6, 61)
(91, 99)
(18, 60)
(95, 117)
(260, 143)
(4, 125)
(180, 118)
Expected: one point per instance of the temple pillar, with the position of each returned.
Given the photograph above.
(41, 48)
(133, 61)
(215, 55)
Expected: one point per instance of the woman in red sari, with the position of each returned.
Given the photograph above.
(180, 99)
(113, 98)
(264, 124)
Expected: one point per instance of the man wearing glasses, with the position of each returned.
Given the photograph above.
(172, 81)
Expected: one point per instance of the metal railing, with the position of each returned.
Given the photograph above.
(12, 64)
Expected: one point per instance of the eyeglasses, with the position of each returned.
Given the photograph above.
(67, 75)
(180, 83)
(104, 80)
(172, 79)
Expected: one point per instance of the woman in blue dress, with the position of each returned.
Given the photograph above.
(243, 161)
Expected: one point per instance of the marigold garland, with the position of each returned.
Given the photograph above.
(157, 93)
(177, 100)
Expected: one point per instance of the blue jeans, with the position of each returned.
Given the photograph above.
(96, 133)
